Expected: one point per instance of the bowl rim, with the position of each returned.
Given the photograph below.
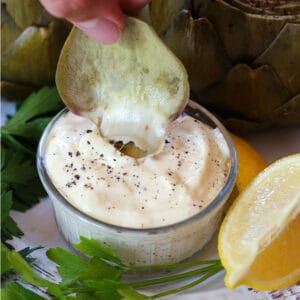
(220, 199)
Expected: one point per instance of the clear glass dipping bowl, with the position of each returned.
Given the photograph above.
(168, 244)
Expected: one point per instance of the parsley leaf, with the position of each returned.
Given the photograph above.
(97, 269)
(105, 289)
(19, 175)
(33, 115)
(69, 264)
(15, 291)
(20, 266)
(9, 228)
(5, 264)
(20, 183)
(130, 293)
(92, 247)
(98, 277)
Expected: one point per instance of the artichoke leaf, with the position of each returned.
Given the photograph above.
(144, 14)
(197, 45)
(131, 89)
(162, 12)
(245, 36)
(15, 91)
(287, 115)
(27, 12)
(283, 56)
(248, 93)
(9, 29)
(42, 46)
(262, 7)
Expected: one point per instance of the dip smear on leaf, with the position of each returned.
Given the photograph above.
(131, 89)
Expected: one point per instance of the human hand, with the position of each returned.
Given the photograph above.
(102, 20)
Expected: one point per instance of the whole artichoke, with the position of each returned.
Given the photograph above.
(31, 41)
(242, 56)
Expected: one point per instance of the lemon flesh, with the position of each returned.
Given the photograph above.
(131, 89)
(260, 233)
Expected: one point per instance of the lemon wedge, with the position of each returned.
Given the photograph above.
(259, 239)
(250, 162)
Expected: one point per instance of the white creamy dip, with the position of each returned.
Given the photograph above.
(147, 192)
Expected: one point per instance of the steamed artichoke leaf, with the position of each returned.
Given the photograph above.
(27, 12)
(42, 46)
(245, 36)
(144, 14)
(130, 89)
(290, 7)
(9, 29)
(162, 12)
(283, 56)
(195, 41)
(287, 115)
(248, 93)
(15, 91)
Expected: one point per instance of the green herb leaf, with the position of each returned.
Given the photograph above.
(105, 289)
(85, 296)
(17, 170)
(19, 175)
(20, 266)
(5, 252)
(6, 202)
(69, 264)
(5, 264)
(32, 130)
(19, 140)
(43, 102)
(98, 278)
(9, 228)
(129, 293)
(11, 142)
(14, 291)
(92, 247)
(98, 270)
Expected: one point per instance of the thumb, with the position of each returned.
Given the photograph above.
(100, 29)
(101, 19)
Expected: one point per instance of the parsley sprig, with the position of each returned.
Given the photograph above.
(20, 184)
(100, 276)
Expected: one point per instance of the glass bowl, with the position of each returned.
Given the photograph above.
(160, 245)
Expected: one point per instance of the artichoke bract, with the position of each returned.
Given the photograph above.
(31, 41)
(131, 89)
(242, 57)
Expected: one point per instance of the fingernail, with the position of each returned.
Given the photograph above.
(102, 30)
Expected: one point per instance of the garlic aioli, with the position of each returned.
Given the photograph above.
(148, 192)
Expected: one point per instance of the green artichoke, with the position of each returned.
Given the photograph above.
(242, 56)
(31, 41)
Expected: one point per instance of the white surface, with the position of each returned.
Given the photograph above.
(40, 229)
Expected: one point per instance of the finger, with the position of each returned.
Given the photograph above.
(102, 20)
(101, 29)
